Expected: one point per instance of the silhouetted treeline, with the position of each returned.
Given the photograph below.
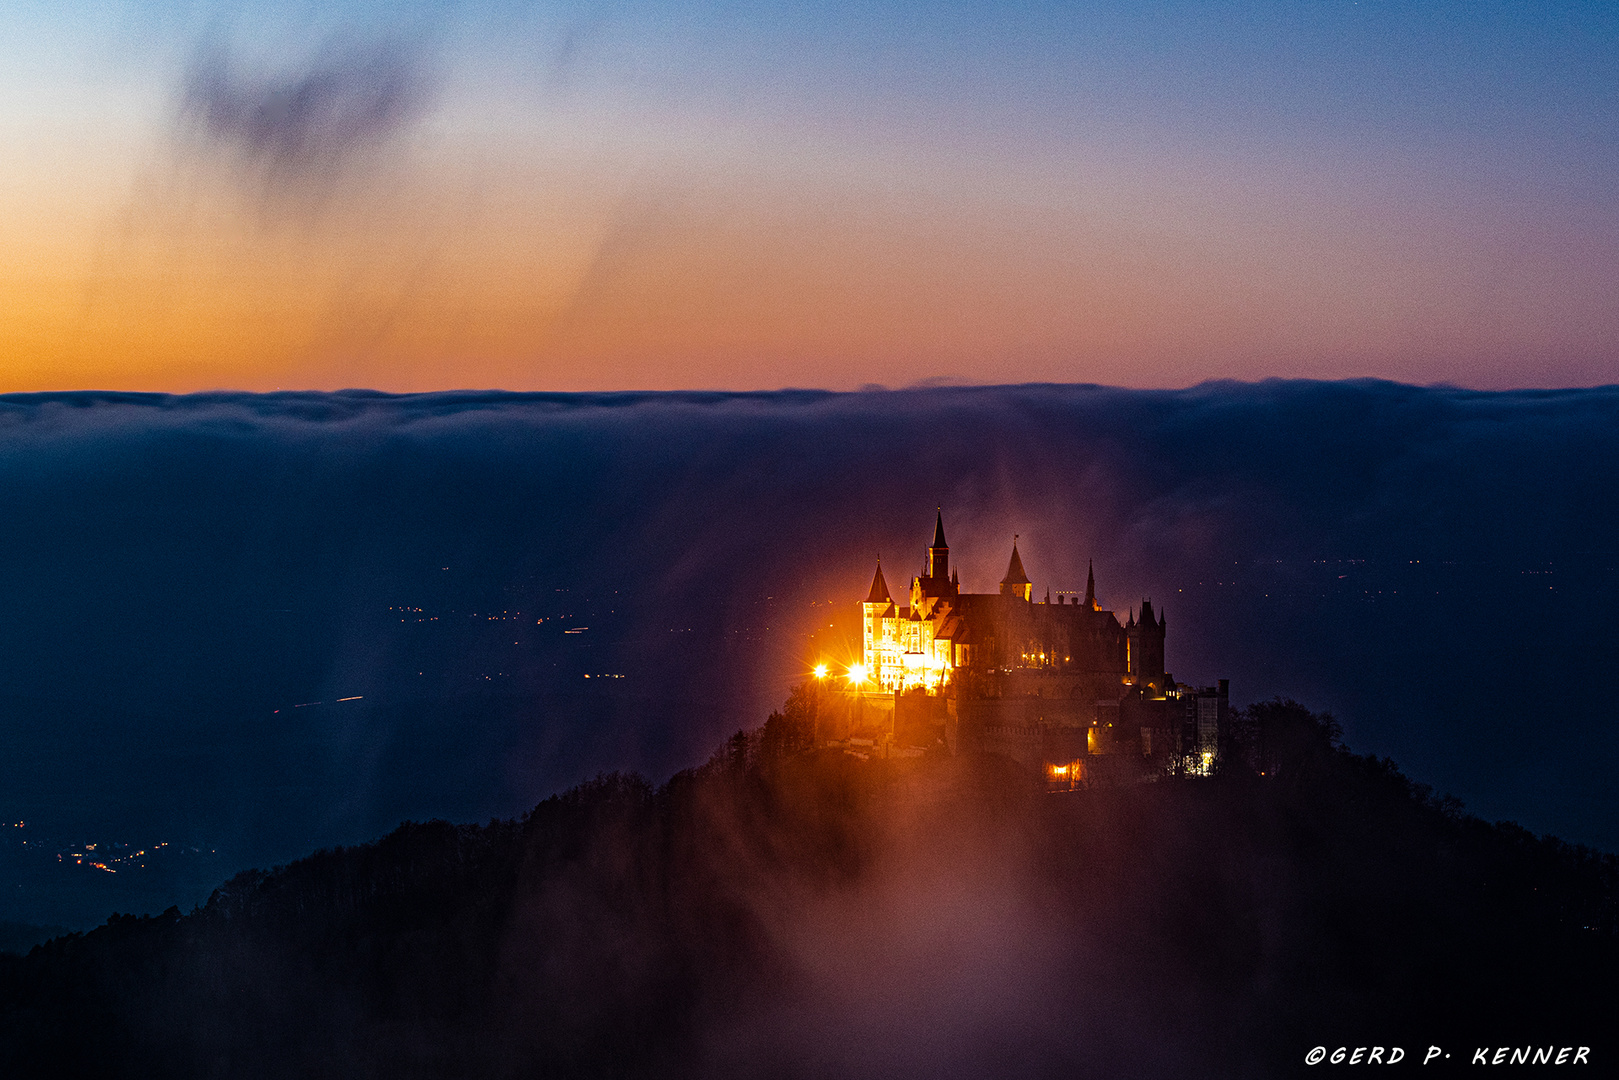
(790, 912)
(18, 937)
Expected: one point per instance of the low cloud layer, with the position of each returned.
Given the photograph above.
(192, 585)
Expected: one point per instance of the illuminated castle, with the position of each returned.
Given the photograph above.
(1053, 683)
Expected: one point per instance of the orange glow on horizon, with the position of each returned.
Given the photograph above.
(659, 225)
(558, 275)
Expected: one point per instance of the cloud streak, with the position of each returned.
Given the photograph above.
(344, 101)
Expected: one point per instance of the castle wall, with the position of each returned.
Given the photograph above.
(920, 719)
(851, 714)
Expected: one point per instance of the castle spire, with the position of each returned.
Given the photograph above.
(1016, 582)
(1090, 587)
(938, 567)
(879, 588)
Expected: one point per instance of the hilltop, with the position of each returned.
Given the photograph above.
(797, 912)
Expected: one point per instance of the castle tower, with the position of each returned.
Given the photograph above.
(1090, 588)
(879, 588)
(1146, 637)
(1016, 582)
(939, 552)
(877, 605)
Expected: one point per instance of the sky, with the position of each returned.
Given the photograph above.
(657, 195)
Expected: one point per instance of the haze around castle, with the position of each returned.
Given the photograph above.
(258, 625)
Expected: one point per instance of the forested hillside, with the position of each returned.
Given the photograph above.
(791, 912)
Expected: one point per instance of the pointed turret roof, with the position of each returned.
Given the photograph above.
(938, 530)
(879, 588)
(1090, 586)
(1014, 569)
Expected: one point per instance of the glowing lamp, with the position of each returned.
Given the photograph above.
(857, 674)
(820, 671)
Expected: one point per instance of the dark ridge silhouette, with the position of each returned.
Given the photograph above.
(787, 911)
(16, 937)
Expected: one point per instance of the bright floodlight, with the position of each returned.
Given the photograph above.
(857, 674)
(820, 671)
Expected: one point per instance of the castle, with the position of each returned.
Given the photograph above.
(1061, 685)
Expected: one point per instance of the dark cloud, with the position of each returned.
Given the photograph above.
(1434, 565)
(348, 98)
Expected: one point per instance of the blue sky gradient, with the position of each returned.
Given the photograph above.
(733, 195)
